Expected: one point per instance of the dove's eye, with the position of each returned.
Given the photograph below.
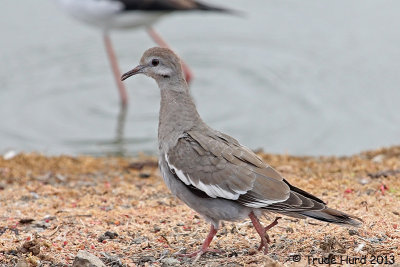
(155, 62)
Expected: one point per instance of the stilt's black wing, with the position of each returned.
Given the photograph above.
(168, 5)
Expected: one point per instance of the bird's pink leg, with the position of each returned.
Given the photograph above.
(157, 38)
(115, 69)
(204, 247)
(262, 231)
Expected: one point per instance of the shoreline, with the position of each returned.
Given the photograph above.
(53, 206)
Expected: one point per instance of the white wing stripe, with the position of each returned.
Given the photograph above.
(216, 191)
(260, 203)
(213, 191)
(181, 175)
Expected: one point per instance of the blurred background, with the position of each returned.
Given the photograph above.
(300, 77)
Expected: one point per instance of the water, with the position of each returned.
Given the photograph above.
(301, 77)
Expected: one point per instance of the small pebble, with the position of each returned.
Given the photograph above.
(289, 230)
(165, 252)
(252, 252)
(359, 247)
(233, 254)
(35, 195)
(107, 235)
(353, 232)
(144, 175)
(378, 158)
(370, 191)
(274, 256)
(86, 259)
(31, 247)
(21, 263)
(156, 229)
(146, 259)
(49, 217)
(111, 235)
(170, 261)
(26, 221)
(138, 240)
(10, 154)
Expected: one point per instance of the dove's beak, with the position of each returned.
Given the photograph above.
(136, 70)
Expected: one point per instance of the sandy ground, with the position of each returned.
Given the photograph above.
(52, 207)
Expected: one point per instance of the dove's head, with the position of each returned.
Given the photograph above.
(161, 64)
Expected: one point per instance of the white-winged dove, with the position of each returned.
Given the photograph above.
(212, 172)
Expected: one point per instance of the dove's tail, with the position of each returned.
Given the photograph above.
(302, 204)
(333, 216)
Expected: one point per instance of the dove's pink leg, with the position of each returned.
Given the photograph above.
(262, 231)
(204, 247)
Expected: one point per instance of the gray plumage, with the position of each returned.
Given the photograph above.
(212, 172)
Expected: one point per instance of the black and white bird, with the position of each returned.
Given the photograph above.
(212, 172)
(130, 14)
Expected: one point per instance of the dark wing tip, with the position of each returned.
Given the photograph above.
(303, 193)
(206, 7)
(334, 216)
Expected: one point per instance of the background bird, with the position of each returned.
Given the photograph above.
(129, 14)
(212, 172)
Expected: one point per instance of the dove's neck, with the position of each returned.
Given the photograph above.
(178, 113)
